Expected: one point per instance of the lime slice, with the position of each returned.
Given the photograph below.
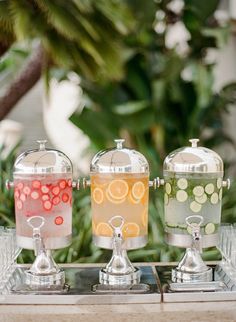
(209, 188)
(210, 228)
(220, 194)
(171, 225)
(202, 199)
(219, 183)
(182, 183)
(181, 196)
(168, 188)
(214, 198)
(189, 229)
(198, 191)
(166, 199)
(195, 206)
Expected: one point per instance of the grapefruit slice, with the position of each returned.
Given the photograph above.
(59, 220)
(34, 195)
(56, 200)
(20, 185)
(62, 184)
(118, 189)
(45, 197)
(47, 205)
(19, 204)
(44, 189)
(65, 197)
(55, 190)
(27, 190)
(36, 184)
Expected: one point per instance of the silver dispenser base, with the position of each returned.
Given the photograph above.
(107, 278)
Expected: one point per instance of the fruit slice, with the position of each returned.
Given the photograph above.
(20, 185)
(144, 217)
(168, 188)
(47, 205)
(45, 197)
(16, 194)
(56, 200)
(65, 197)
(214, 198)
(209, 188)
(171, 225)
(34, 195)
(138, 190)
(220, 194)
(118, 189)
(195, 206)
(210, 228)
(59, 220)
(182, 183)
(44, 189)
(132, 199)
(166, 199)
(19, 204)
(62, 184)
(103, 229)
(55, 190)
(130, 229)
(109, 198)
(22, 197)
(202, 199)
(181, 196)
(190, 229)
(27, 190)
(98, 195)
(69, 182)
(36, 184)
(198, 191)
(219, 183)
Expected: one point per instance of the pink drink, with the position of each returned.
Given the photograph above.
(49, 196)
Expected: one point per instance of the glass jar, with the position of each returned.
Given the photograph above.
(193, 179)
(120, 187)
(43, 187)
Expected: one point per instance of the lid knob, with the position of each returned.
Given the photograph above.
(42, 144)
(194, 142)
(119, 143)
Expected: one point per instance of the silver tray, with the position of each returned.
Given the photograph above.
(83, 281)
(218, 290)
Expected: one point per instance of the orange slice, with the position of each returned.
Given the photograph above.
(144, 217)
(138, 190)
(98, 195)
(118, 189)
(130, 229)
(133, 200)
(114, 201)
(103, 229)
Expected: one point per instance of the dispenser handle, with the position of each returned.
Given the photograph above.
(117, 229)
(226, 183)
(195, 230)
(9, 184)
(37, 239)
(156, 183)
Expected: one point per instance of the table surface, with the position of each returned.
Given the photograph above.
(201, 311)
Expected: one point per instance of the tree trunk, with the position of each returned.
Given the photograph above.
(27, 78)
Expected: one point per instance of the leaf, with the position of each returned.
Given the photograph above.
(130, 107)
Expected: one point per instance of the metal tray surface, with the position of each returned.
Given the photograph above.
(81, 291)
(220, 291)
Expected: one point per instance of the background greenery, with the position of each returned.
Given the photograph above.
(134, 87)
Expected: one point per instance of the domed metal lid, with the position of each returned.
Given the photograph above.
(119, 160)
(193, 159)
(42, 160)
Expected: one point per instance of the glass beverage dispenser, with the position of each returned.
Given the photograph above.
(43, 211)
(193, 180)
(119, 194)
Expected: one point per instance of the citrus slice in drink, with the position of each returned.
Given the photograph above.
(104, 229)
(130, 229)
(20, 185)
(58, 220)
(22, 197)
(198, 191)
(118, 189)
(144, 217)
(132, 199)
(214, 198)
(65, 197)
(36, 184)
(210, 228)
(56, 200)
(168, 188)
(195, 206)
(47, 205)
(45, 197)
(219, 183)
(114, 201)
(62, 184)
(55, 190)
(16, 194)
(182, 183)
(34, 195)
(181, 196)
(138, 190)
(209, 188)
(44, 189)
(202, 199)
(19, 204)
(69, 182)
(27, 190)
(98, 195)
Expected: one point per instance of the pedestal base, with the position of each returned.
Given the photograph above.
(122, 279)
(178, 276)
(45, 281)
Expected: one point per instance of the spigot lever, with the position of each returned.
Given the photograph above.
(196, 231)
(36, 223)
(116, 223)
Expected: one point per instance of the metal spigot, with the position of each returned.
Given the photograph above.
(37, 239)
(156, 183)
(226, 183)
(9, 184)
(196, 231)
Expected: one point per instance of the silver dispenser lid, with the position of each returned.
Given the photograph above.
(119, 160)
(194, 159)
(42, 160)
